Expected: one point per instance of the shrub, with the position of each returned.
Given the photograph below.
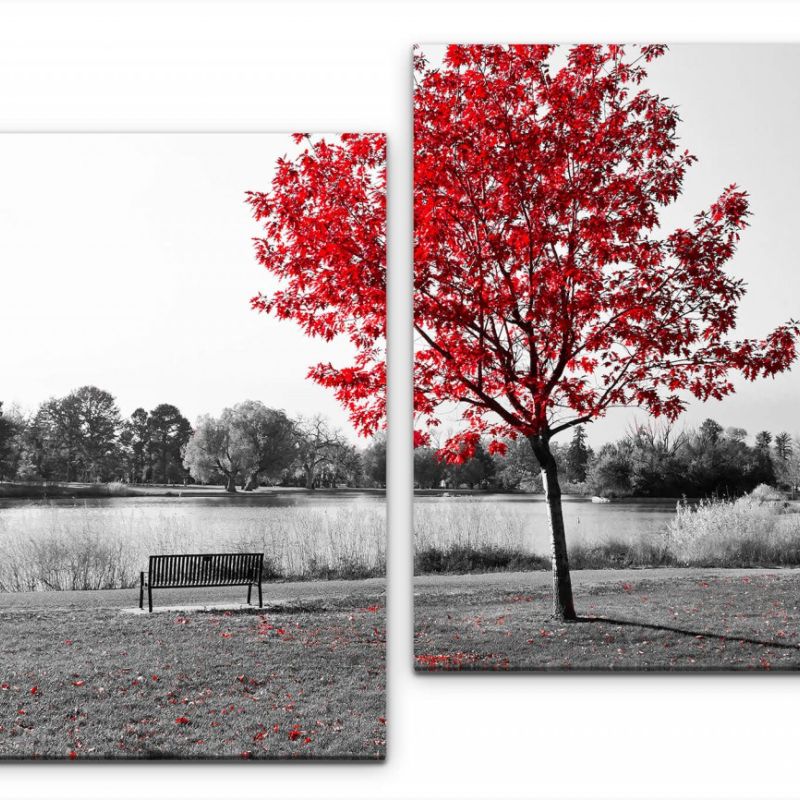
(751, 531)
(463, 559)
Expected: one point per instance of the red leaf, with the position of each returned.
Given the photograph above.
(547, 286)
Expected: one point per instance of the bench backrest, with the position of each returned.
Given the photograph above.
(206, 569)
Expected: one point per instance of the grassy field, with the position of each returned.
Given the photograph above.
(666, 619)
(83, 676)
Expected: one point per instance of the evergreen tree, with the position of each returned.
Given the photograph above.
(577, 456)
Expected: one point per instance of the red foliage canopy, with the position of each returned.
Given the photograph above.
(325, 240)
(544, 291)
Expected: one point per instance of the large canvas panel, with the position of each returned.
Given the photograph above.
(606, 459)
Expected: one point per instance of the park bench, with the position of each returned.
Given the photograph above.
(201, 570)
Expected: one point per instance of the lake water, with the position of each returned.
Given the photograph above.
(265, 498)
(521, 520)
(224, 517)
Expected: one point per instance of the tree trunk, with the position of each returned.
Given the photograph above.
(251, 483)
(563, 605)
(310, 479)
(230, 482)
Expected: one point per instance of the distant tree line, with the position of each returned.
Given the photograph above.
(648, 461)
(83, 437)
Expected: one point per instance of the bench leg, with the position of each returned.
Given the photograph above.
(141, 591)
(150, 597)
(249, 589)
(260, 599)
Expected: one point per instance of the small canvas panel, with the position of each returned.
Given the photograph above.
(192, 446)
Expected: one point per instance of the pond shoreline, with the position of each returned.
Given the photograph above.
(87, 491)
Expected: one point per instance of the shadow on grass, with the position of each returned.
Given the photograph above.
(653, 626)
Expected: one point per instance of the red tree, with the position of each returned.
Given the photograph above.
(544, 291)
(325, 240)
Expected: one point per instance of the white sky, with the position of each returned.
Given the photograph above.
(740, 106)
(126, 262)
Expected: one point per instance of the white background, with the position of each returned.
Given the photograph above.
(336, 65)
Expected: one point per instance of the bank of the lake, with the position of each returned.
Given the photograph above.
(55, 490)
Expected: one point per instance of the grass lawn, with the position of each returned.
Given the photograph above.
(657, 619)
(302, 678)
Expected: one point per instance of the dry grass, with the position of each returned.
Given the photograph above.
(757, 530)
(471, 525)
(101, 548)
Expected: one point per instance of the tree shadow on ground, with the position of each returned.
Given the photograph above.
(654, 626)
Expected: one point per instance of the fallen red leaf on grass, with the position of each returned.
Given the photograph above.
(34, 690)
(78, 683)
(72, 755)
(181, 720)
(247, 754)
(295, 733)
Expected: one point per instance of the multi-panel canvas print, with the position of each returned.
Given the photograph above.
(606, 381)
(192, 446)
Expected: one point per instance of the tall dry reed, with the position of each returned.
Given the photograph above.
(98, 548)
